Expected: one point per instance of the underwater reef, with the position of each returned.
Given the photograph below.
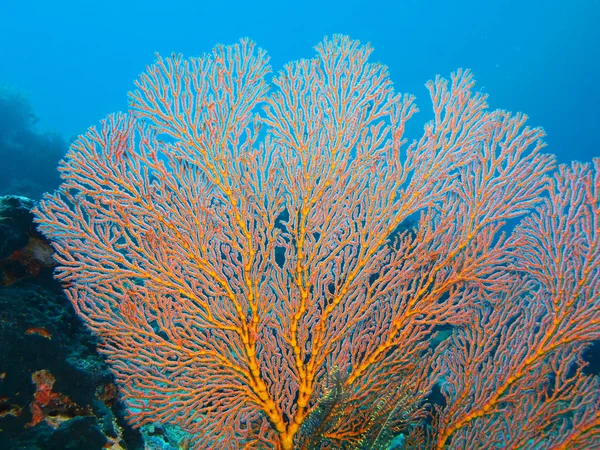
(238, 244)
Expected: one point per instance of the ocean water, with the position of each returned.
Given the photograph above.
(76, 60)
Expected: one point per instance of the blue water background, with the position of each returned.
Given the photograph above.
(76, 60)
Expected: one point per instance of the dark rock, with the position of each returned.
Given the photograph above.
(55, 389)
